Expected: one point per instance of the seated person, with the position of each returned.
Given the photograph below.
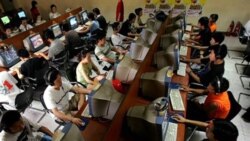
(116, 38)
(84, 71)
(56, 97)
(216, 39)
(103, 50)
(24, 25)
(91, 25)
(216, 129)
(204, 36)
(127, 27)
(216, 105)
(56, 45)
(100, 18)
(53, 12)
(14, 127)
(212, 22)
(139, 12)
(213, 69)
(72, 39)
(30, 66)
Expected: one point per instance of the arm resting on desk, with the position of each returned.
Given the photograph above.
(45, 130)
(188, 121)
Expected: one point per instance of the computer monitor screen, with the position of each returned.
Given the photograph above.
(84, 16)
(5, 20)
(9, 56)
(176, 58)
(56, 31)
(21, 14)
(73, 22)
(36, 42)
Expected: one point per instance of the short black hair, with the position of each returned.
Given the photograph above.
(204, 21)
(218, 37)
(66, 27)
(138, 10)
(131, 16)
(220, 52)
(115, 25)
(23, 53)
(33, 3)
(91, 16)
(96, 11)
(23, 18)
(51, 75)
(83, 54)
(225, 130)
(98, 34)
(52, 5)
(8, 119)
(224, 84)
(214, 17)
(48, 34)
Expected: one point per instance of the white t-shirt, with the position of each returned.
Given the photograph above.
(30, 126)
(247, 27)
(117, 39)
(105, 51)
(54, 15)
(22, 28)
(57, 98)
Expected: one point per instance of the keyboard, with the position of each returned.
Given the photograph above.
(171, 132)
(17, 65)
(176, 100)
(189, 28)
(45, 49)
(183, 50)
(58, 136)
(110, 75)
(62, 38)
(97, 86)
(121, 56)
(185, 36)
(182, 69)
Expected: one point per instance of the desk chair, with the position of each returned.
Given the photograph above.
(235, 109)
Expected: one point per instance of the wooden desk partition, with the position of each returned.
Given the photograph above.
(17, 40)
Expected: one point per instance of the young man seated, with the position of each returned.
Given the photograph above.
(214, 68)
(55, 48)
(103, 50)
(91, 25)
(216, 129)
(24, 25)
(116, 38)
(101, 19)
(56, 97)
(216, 105)
(127, 28)
(212, 22)
(14, 127)
(30, 66)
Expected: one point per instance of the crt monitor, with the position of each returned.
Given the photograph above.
(56, 30)
(21, 14)
(5, 20)
(72, 22)
(33, 42)
(8, 56)
(176, 58)
(84, 16)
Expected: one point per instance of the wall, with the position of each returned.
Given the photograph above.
(228, 10)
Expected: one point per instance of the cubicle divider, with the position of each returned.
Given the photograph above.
(17, 40)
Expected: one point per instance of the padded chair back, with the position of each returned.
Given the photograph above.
(235, 107)
(60, 60)
(24, 99)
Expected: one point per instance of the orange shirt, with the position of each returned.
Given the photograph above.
(213, 27)
(223, 105)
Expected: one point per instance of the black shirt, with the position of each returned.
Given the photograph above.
(215, 70)
(126, 28)
(31, 66)
(205, 37)
(102, 22)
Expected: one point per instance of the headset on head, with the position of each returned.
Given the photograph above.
(48, 75)
(218, 53)
(218, 85)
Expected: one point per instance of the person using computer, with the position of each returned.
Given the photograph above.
(101, 19)
(72, 39)
(91, 25)
(139, 12)
(34, 10)
(116, 38)
(127, 28)
(216, 105)
(216, 129)
(24, 25)
(53, 12)
(84, 71)
(56, 97)
(55, 48)
(212, 22)
(214, 68)
(15, 127)
(103, 50)
(30, 65)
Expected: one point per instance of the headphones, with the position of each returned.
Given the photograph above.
(217, 54)
(50, 76)
(217, 84)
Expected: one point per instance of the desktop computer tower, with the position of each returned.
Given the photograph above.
(148, 122)
(155, 84)
(105, 101)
